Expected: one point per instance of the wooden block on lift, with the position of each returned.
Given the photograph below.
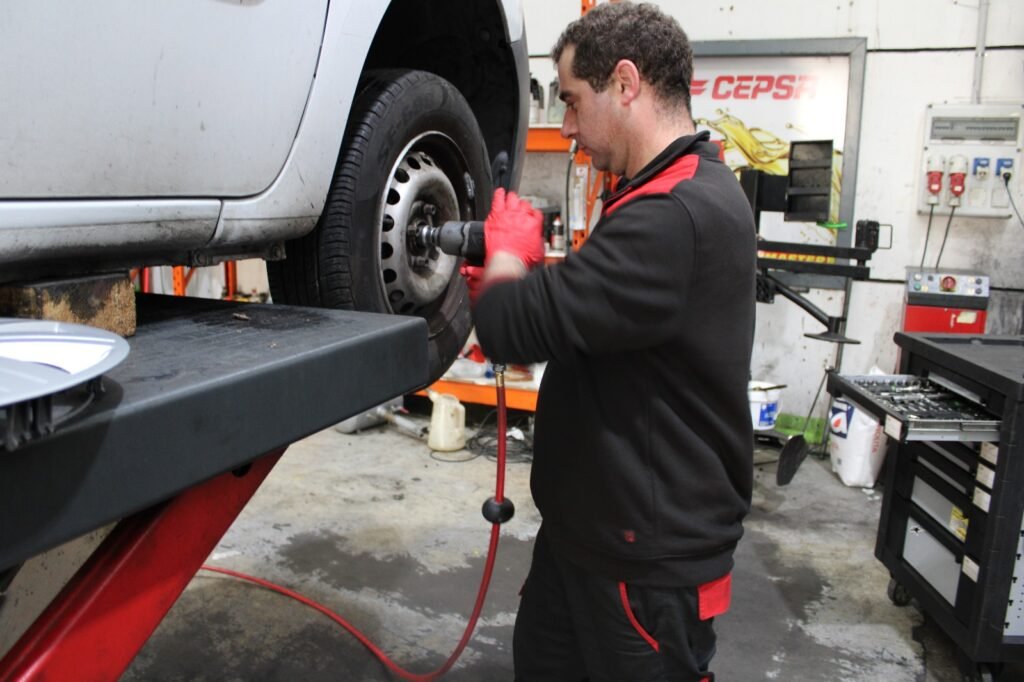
(103, 301)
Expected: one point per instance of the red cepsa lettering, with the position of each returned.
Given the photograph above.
(785, 86)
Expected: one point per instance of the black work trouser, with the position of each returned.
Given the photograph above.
(574, 626)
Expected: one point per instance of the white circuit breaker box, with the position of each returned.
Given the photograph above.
(967, 150)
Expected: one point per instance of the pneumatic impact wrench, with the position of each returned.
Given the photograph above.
(463, 238)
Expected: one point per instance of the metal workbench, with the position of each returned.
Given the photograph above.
(208, 391)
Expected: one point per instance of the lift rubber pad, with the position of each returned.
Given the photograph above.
(207, 387)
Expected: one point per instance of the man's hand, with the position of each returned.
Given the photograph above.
(474, 276)
(515, 228)
(513, 241)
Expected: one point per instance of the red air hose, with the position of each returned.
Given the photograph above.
(497, 510)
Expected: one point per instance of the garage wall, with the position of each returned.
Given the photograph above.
(919, 52)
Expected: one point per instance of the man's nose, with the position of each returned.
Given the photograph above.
(569, 124)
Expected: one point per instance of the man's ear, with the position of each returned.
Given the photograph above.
(626, 80)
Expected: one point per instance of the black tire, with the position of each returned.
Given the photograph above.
(411, 142)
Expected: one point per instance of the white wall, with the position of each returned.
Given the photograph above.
(919, 52)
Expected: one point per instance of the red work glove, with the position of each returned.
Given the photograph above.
(474, 280)
(515, 227)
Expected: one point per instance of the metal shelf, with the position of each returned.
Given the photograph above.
(546, 139)
(516, 398)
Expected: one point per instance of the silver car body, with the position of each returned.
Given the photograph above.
(152, 131)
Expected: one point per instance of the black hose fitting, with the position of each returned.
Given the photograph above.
(498, 512)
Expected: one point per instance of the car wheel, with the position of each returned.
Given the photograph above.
(412, 155)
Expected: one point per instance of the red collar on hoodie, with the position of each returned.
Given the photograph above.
(683, 168)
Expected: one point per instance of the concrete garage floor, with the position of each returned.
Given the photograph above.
(373, 527)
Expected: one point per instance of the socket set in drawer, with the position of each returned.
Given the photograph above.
(915, 408)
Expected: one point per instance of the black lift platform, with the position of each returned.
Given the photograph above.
(208, 388)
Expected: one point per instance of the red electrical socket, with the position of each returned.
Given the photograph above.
(934, 170)
(957, 178)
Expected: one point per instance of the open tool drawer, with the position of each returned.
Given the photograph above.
(912, 408)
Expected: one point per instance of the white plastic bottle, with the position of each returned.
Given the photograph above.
(578, 205)
(556, 107)
(447, 423)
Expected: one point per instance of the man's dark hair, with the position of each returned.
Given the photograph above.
(641, 33)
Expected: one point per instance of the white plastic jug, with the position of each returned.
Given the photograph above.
(447, 423)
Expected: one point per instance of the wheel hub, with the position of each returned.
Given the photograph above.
(419, 195)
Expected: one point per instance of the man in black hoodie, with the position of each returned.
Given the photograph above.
(643, 443)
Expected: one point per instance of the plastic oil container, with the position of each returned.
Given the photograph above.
(447, 423)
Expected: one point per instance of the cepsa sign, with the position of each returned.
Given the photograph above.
(763, 86)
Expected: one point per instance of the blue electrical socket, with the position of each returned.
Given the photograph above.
(979, 167)
(1003, 165)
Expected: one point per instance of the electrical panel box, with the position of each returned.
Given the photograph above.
(968, 148)
(949, 286)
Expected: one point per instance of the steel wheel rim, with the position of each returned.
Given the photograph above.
(419, 193)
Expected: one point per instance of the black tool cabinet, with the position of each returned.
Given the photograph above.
(950, 531)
